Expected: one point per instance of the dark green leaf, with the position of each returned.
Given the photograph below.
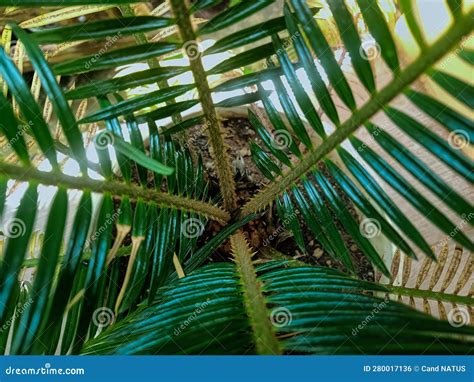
(55, 95)
(324, 52)
(115, 58)
(145, 77)
(232, 15)
(28, 107)
(137, 103)
(28, 327)
(18, 231)
(113, 28)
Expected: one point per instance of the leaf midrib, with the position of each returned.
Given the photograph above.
(118, 189)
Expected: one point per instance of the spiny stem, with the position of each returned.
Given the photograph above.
(23, 173)
(216, 133)
(437, 50)
(265, 339)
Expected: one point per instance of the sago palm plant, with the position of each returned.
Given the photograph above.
(134, 274)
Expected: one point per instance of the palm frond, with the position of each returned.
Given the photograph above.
(346, 158)
(205, 313)
(131, 254)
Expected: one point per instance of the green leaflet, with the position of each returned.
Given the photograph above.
(137, 103)
(28, 107)
(319, 87)
(278, 124)
(378, 28)
(70, 268)
(182, 126)
(56, 3)
(462, 91)
(324, 52)
(288, 214)
(137, 141)
(350, 224)
(301, 97)
(145, 77)
(378, 194)
(368, 210)
(102, 29)
(13, 130)
(248, 57)
(18, 231)
(320, 320)
(420, 170)
(200, 5)
(167, 111)
(249, 35)
(232, 15)
(272, 142)
(410, 194)
(352, 42)
(100, 245)
(28, 326)
(115, 58)
(103, 140)
(135, 154)
(163, 251)
(55, 95)
(440, 148)
(3, 194)
(240, 100)
(456, 123)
